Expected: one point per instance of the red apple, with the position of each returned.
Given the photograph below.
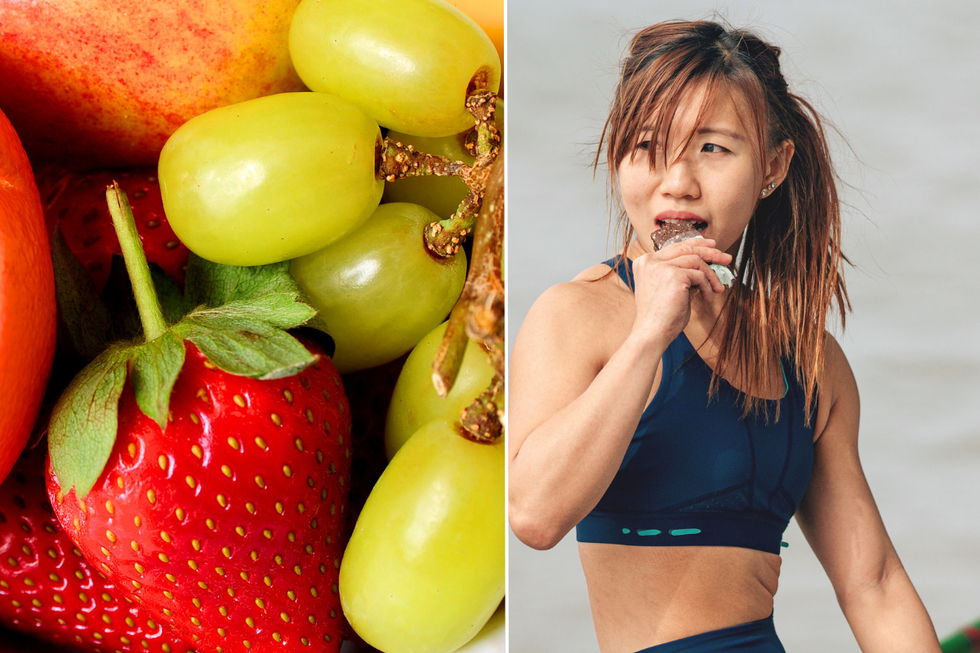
(103, 83)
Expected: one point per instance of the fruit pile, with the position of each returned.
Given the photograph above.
(251, 345)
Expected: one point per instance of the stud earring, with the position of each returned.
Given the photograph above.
(768, 189)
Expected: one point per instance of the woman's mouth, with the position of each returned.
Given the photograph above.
(683, 223)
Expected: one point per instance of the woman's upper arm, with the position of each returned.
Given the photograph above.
(838, 514)
(553, 361)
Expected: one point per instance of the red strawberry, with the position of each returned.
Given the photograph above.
(49, 590)
(206, 469)
(76, 202)
(229, 524)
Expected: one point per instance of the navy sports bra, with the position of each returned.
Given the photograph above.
(696, 473)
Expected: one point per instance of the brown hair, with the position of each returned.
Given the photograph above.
(790, 272)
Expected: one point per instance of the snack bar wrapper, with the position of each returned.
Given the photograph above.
(673, 232)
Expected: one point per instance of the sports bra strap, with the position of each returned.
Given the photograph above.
(623, 267)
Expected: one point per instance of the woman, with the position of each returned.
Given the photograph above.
(695, 419)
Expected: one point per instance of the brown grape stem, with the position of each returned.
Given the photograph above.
(484, 141)
(481, 419)
(399, 161)
(449, 355)
(479, 314)
(445, 237)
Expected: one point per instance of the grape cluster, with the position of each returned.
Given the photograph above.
(398, 89)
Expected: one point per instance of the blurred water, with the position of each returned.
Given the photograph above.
(901, 82)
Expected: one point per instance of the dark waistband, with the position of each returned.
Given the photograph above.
(758, 531)
(752, 637)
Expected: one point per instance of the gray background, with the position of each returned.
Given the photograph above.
(901, 82)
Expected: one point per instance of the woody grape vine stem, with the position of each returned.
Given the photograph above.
(479, 312)
(399, 161)
(479, 315)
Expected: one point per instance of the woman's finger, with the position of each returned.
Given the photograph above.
(700, 281)
(705, 248)
(695, 262)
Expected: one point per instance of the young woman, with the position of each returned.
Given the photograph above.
(677, 423)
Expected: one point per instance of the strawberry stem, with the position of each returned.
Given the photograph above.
(147, 303)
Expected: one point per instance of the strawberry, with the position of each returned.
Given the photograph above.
(49, 590)
(206, 469)
(75, 202)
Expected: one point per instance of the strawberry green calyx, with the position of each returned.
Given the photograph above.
(236, 316)
(86, 317)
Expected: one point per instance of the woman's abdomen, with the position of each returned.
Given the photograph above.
(643, 596)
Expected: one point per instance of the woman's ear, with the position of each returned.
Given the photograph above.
(777, 167)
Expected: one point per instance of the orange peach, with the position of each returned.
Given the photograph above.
(103, 83)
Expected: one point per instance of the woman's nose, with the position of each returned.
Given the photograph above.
(680, 180)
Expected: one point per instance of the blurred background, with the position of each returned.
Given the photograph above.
(900, 81)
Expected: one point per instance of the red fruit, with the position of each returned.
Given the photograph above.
(228, 525)
(76, 202)
(27, 299)
(47, 589)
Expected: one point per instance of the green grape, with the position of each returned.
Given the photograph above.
(409, 64)
(493, 635)
(441, 195)
(414, 401)
(424, 569)
(270, 179)
(378, 289)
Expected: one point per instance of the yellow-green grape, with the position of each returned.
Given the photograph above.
(270, 179)
(415, 402)
(378, 289)
(408, 63)
(492, 637)
(441, 195)
(424, 569)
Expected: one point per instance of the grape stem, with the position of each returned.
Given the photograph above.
(399, 161)
(481, 419)
(479, 315)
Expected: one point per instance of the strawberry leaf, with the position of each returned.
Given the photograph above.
(244, 346)
(85, 314)
(280, 310)
(213, 284)
(83, 424)
(156, 365)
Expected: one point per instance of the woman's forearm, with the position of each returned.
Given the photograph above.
(889, 617)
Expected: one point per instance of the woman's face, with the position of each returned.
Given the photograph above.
(715, 181)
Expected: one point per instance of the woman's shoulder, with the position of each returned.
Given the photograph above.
(596, 273)
(837, 390)
(580, 310)
(836, 378)
(593, 292)
(588, 315)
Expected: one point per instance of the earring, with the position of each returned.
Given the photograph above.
(768, 189)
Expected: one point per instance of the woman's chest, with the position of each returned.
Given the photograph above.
(695, 451)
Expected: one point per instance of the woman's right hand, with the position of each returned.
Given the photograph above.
(665, 281)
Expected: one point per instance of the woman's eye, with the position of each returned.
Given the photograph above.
(713, 148)
(647, 145)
